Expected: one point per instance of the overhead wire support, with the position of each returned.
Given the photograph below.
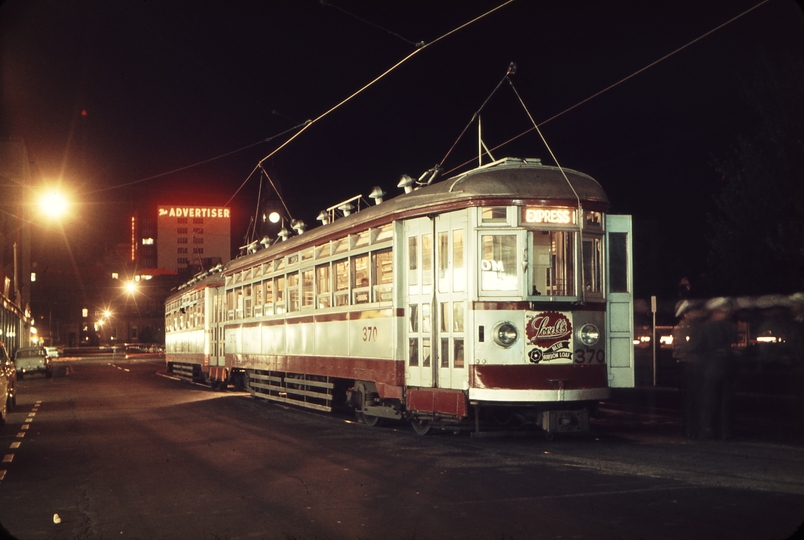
(624, 79)
(511, 70)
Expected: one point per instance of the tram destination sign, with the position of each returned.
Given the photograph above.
(548, 215)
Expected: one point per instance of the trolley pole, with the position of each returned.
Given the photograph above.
(654, 345)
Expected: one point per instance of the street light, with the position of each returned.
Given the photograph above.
(53, 203)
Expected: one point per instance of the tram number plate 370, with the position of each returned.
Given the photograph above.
(590, 356)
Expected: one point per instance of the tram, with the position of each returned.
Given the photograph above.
(498, 297)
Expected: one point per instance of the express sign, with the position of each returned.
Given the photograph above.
(553, 216)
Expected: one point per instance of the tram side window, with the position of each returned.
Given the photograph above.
(268, 286)
(323, 286)
(413, 342)
(427, 261)
(239, 303)
(279, 305)
(592, 265)
(458, 270)
(498, 265)
(247, 300)
(342, 282)
(443, 261)
(413, 261)
(230, 303)
(293, 291)
(307, 292)
(258, 299)
(361, 279)
(552, 267)
(382, 267)
(494, 214)
(618, 257)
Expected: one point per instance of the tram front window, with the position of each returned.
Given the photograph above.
(552, 267)
(498, 265)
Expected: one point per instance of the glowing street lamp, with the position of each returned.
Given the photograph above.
(53, 203)
(130, 287)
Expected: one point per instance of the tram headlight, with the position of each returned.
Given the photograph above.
(505, 334)
(589, 334)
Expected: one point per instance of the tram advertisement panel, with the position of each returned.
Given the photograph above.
(549, 337)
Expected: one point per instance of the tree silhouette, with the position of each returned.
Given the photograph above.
(757, 228)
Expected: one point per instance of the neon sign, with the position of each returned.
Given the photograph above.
(194, 212)
(553, 216)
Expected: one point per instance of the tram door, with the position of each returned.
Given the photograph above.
(620, 302)
(436, 298)
(419, 276)
(450, 299)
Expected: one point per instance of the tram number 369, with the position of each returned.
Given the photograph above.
(590, 356)
(369, 333)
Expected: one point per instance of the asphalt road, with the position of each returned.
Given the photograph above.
(115, 450)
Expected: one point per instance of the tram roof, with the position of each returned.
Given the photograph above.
(509, 181)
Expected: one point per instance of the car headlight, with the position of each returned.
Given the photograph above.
(589, 334)
(505, 334)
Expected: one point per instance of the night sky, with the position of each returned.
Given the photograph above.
(167, 86)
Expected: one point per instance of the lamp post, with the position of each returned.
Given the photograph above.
(51, 206)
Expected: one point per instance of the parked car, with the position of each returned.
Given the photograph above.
(52, 352)
(8, 384)
(33, 360)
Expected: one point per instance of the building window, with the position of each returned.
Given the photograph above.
(183, 260)
(181, 230)
(198, 220)
(198, 240)
(182, 250)
(198, 230)
(181, 220)
(181, 240)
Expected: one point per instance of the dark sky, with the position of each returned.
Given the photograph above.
(169, 84)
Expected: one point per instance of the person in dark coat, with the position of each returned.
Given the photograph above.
(689, 352)
(719, 371)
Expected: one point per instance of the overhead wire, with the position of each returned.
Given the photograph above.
(419, 49)
(141, 180)
(406, 40)
(624, 79)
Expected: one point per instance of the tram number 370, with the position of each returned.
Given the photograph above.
(370, 333)
(590, 356)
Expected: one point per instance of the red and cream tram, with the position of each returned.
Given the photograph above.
(499, 296)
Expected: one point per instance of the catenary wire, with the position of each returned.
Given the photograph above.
(634, 74)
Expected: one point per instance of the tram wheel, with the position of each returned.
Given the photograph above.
(422, 427)
(371, 420)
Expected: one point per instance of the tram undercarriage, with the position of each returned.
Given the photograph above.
(481, 419)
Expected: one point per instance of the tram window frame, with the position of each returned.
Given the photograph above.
(341, 276)
(307, 287)
(323, 286)
(508, 287)
(360, 240)
(360, 278)
(268, 301)
(592, 261)
(382, 275)
(258, 300)
(493, 216)
(293, 297)
(280, 297)
(247, 301)
(554, 284)
(443, 254)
